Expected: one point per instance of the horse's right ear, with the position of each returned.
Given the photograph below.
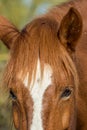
(70, 29)
(8, 32)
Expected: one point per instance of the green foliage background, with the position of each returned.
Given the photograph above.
(18, 12)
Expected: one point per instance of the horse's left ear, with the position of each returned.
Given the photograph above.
(8, 32)
(70, 29)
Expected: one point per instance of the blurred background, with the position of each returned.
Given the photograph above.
(18, 12)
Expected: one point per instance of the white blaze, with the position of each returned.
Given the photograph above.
(37, 90)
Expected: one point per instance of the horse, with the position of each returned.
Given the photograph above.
(46, 73)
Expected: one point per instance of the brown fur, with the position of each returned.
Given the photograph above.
(45, 38)
(29, 49)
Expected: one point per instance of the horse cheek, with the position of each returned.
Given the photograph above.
(16, 117)
(65, 119)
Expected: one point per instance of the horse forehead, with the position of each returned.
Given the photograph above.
(40, 83)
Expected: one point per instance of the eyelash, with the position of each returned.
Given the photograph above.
(66, 93)
(12, 95)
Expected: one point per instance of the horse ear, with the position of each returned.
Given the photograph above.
(8, 32)
(70, 29)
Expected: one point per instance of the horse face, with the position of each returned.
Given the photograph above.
(45, 104)
(44, 97)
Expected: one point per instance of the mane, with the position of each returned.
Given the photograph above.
(39, 40)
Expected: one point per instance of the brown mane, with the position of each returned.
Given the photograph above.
(39, 39)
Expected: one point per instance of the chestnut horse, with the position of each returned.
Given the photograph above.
(46, 74)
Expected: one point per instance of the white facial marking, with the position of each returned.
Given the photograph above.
(26, 80)
(37, 90)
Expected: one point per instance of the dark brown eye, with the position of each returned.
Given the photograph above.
(12, 95)
(66, 93)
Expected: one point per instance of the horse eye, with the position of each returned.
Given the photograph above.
(66, 93)
(13, 96)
